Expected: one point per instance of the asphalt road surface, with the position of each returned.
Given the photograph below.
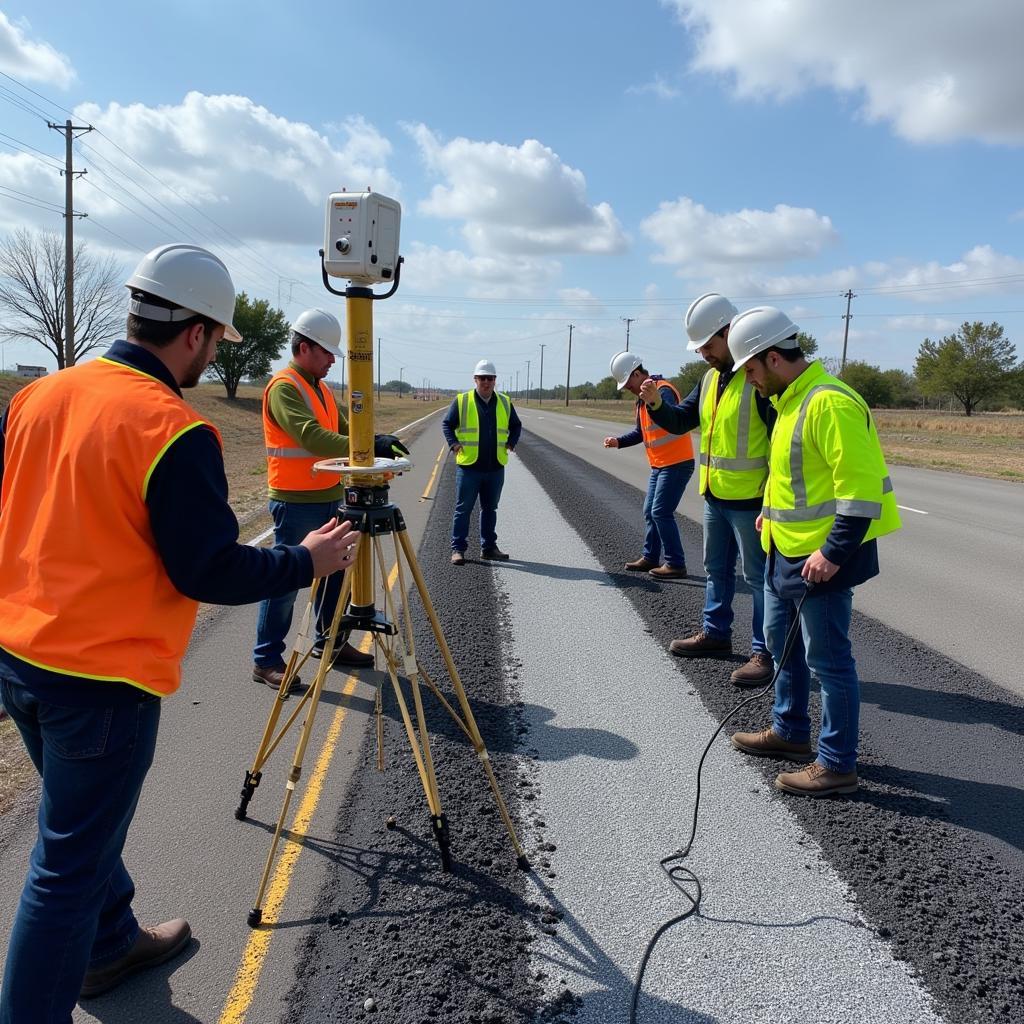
(903, 903)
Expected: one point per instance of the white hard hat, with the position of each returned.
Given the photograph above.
(485, 368)
(757, 329)
(189, 277)
(622, 365)
(321, 327)
(705, 317)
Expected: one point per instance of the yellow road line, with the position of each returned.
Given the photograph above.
(433, 476)
(242, 991)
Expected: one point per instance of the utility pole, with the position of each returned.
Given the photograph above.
(527, 381)
(378, 369)
(568, 365)
(627, 320)
(846, 328)
(400, 372)
(68, 131)
(517, 385)
(540, 397)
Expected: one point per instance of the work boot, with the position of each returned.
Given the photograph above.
(346, 655)
(757, 672)
(702, 645)
(273, 677)
(767, 743)
(640, 565)
(152, 946)
(817, 780)
(458, 558)
(494, 555)
(668, 572)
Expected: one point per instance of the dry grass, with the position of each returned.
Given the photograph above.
(239, 422)
(985, 444)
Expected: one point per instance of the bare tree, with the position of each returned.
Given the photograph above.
(32, 294)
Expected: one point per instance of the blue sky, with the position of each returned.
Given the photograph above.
(561, 162)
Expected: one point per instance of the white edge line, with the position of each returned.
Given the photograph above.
(907, 508)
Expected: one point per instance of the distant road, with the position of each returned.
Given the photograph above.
(952, 578)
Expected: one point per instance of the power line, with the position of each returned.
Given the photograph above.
(49, 207)
(25, 147)
(21, 85)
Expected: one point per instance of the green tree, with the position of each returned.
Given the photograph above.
(689, 376)
(607, 388)
(869, 382)
(400, 387)
(905, 393)
(264, 333)
(971, 365)
(808, 344)
(582, 391)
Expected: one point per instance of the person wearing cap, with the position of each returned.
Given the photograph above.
(302, 425)
(735, 422)
(114, 525)
(481, 428)
(671, 460)
(827, 500)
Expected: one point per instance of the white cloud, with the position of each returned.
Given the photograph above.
(31, 59)
(980, 271)
(690, 235)
(936, 71)
(926, 325)
(658, 86)
(429, 268)
(580, 298)
(513, 200)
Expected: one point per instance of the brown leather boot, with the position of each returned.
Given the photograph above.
(766, 743)
(701, 645)
(668, 572)
(152, 946)
(640, 565)
(273, 677)
(458, 558)
(817, 780)
(757, 672)
(346, 656)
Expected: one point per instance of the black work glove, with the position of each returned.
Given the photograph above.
(387, 446)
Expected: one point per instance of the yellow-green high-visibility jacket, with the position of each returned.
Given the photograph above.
(825, 460)
(733, 439)
(468, 430)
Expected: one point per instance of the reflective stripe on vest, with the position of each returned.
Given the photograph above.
(733, 439)
(83, 591)
(467, 433)
(290, 466)
(663, 448)
(796, 466)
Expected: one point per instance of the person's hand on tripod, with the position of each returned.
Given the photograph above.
(387, 446)
(333, 546)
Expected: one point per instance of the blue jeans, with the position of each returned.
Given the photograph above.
(292, 521)
(822, 646)
(664, 492)
(471, 484)
(729, 532)
(76, 906)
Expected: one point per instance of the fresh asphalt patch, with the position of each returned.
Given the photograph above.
(932, 847)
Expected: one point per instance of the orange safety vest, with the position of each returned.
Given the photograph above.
(83, 590)
(290, 466)
(663, 448)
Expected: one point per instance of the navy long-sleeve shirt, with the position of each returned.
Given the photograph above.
(487, 414)
(194, 528)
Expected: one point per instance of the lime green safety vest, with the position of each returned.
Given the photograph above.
(468, 431)
(733, 439)
(825, 460)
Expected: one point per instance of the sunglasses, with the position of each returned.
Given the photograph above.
(482, 377)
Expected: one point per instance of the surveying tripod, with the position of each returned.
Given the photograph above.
(368, 508)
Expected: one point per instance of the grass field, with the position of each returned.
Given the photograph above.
(985, 444)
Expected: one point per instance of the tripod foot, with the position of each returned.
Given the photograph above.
(439, 823)
(255, 917)
(252, 780)
(522, 862)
